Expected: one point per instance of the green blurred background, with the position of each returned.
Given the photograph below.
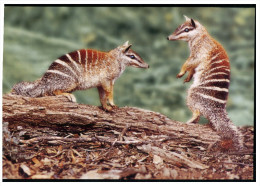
(36, 36)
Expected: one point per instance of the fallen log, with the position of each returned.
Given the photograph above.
(53, 111)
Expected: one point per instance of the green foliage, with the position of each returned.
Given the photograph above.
(36, 36)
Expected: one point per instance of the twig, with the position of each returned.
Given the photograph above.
(236, 163)
(65, 139)
(51, 138)
(120, 137)
(172, 156)
(115, 141)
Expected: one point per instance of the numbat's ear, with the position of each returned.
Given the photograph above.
(187, 18)
(193, 23)
(126, 43)
(125, 47)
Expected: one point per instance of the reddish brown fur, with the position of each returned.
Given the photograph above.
(218, 76)
(223, 63)
(101, 57)
(94, 57)
(89, 60)
(74, 55)
(83, 57)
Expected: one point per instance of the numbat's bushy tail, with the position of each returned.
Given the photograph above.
(83, 69)
(208, 64)
(29, 89)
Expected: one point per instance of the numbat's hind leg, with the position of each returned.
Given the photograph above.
(70, 97)
(195, 117)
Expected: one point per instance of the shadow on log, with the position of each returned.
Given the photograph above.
(122, 144)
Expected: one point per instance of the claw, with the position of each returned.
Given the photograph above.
(114, 106)
(179, 76)
(71, 97)
(108, 108)
(186, 80)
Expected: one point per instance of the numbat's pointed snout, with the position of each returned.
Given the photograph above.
(172, 38)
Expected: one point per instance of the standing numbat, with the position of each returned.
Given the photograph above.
(83, 69)
(208, 64)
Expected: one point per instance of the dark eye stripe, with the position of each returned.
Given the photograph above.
(189, 29)
(131, 56)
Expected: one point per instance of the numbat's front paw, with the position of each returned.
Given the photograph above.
(108, 108)
(187, 80)
(114, 106)
(180, 75)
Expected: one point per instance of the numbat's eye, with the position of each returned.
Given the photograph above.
(186, 30)
(132, 56)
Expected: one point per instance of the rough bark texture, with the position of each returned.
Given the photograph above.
(52, 138)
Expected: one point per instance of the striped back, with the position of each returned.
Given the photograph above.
(76, 63)
(215, 79)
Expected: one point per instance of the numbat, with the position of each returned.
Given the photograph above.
(207, 96)
(83, 69)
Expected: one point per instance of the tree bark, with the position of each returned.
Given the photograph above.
(54, 111)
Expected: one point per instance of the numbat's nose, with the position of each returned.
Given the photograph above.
(171, 38)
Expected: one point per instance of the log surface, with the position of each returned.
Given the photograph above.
(57, 110)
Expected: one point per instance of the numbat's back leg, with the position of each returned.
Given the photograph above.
(195, 117)
(70, 97)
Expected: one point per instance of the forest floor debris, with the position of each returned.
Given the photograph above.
(107, 160)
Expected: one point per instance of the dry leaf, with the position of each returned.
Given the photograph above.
(25, 170)
(157, 159)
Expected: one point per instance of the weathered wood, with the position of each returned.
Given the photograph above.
(57, 110)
